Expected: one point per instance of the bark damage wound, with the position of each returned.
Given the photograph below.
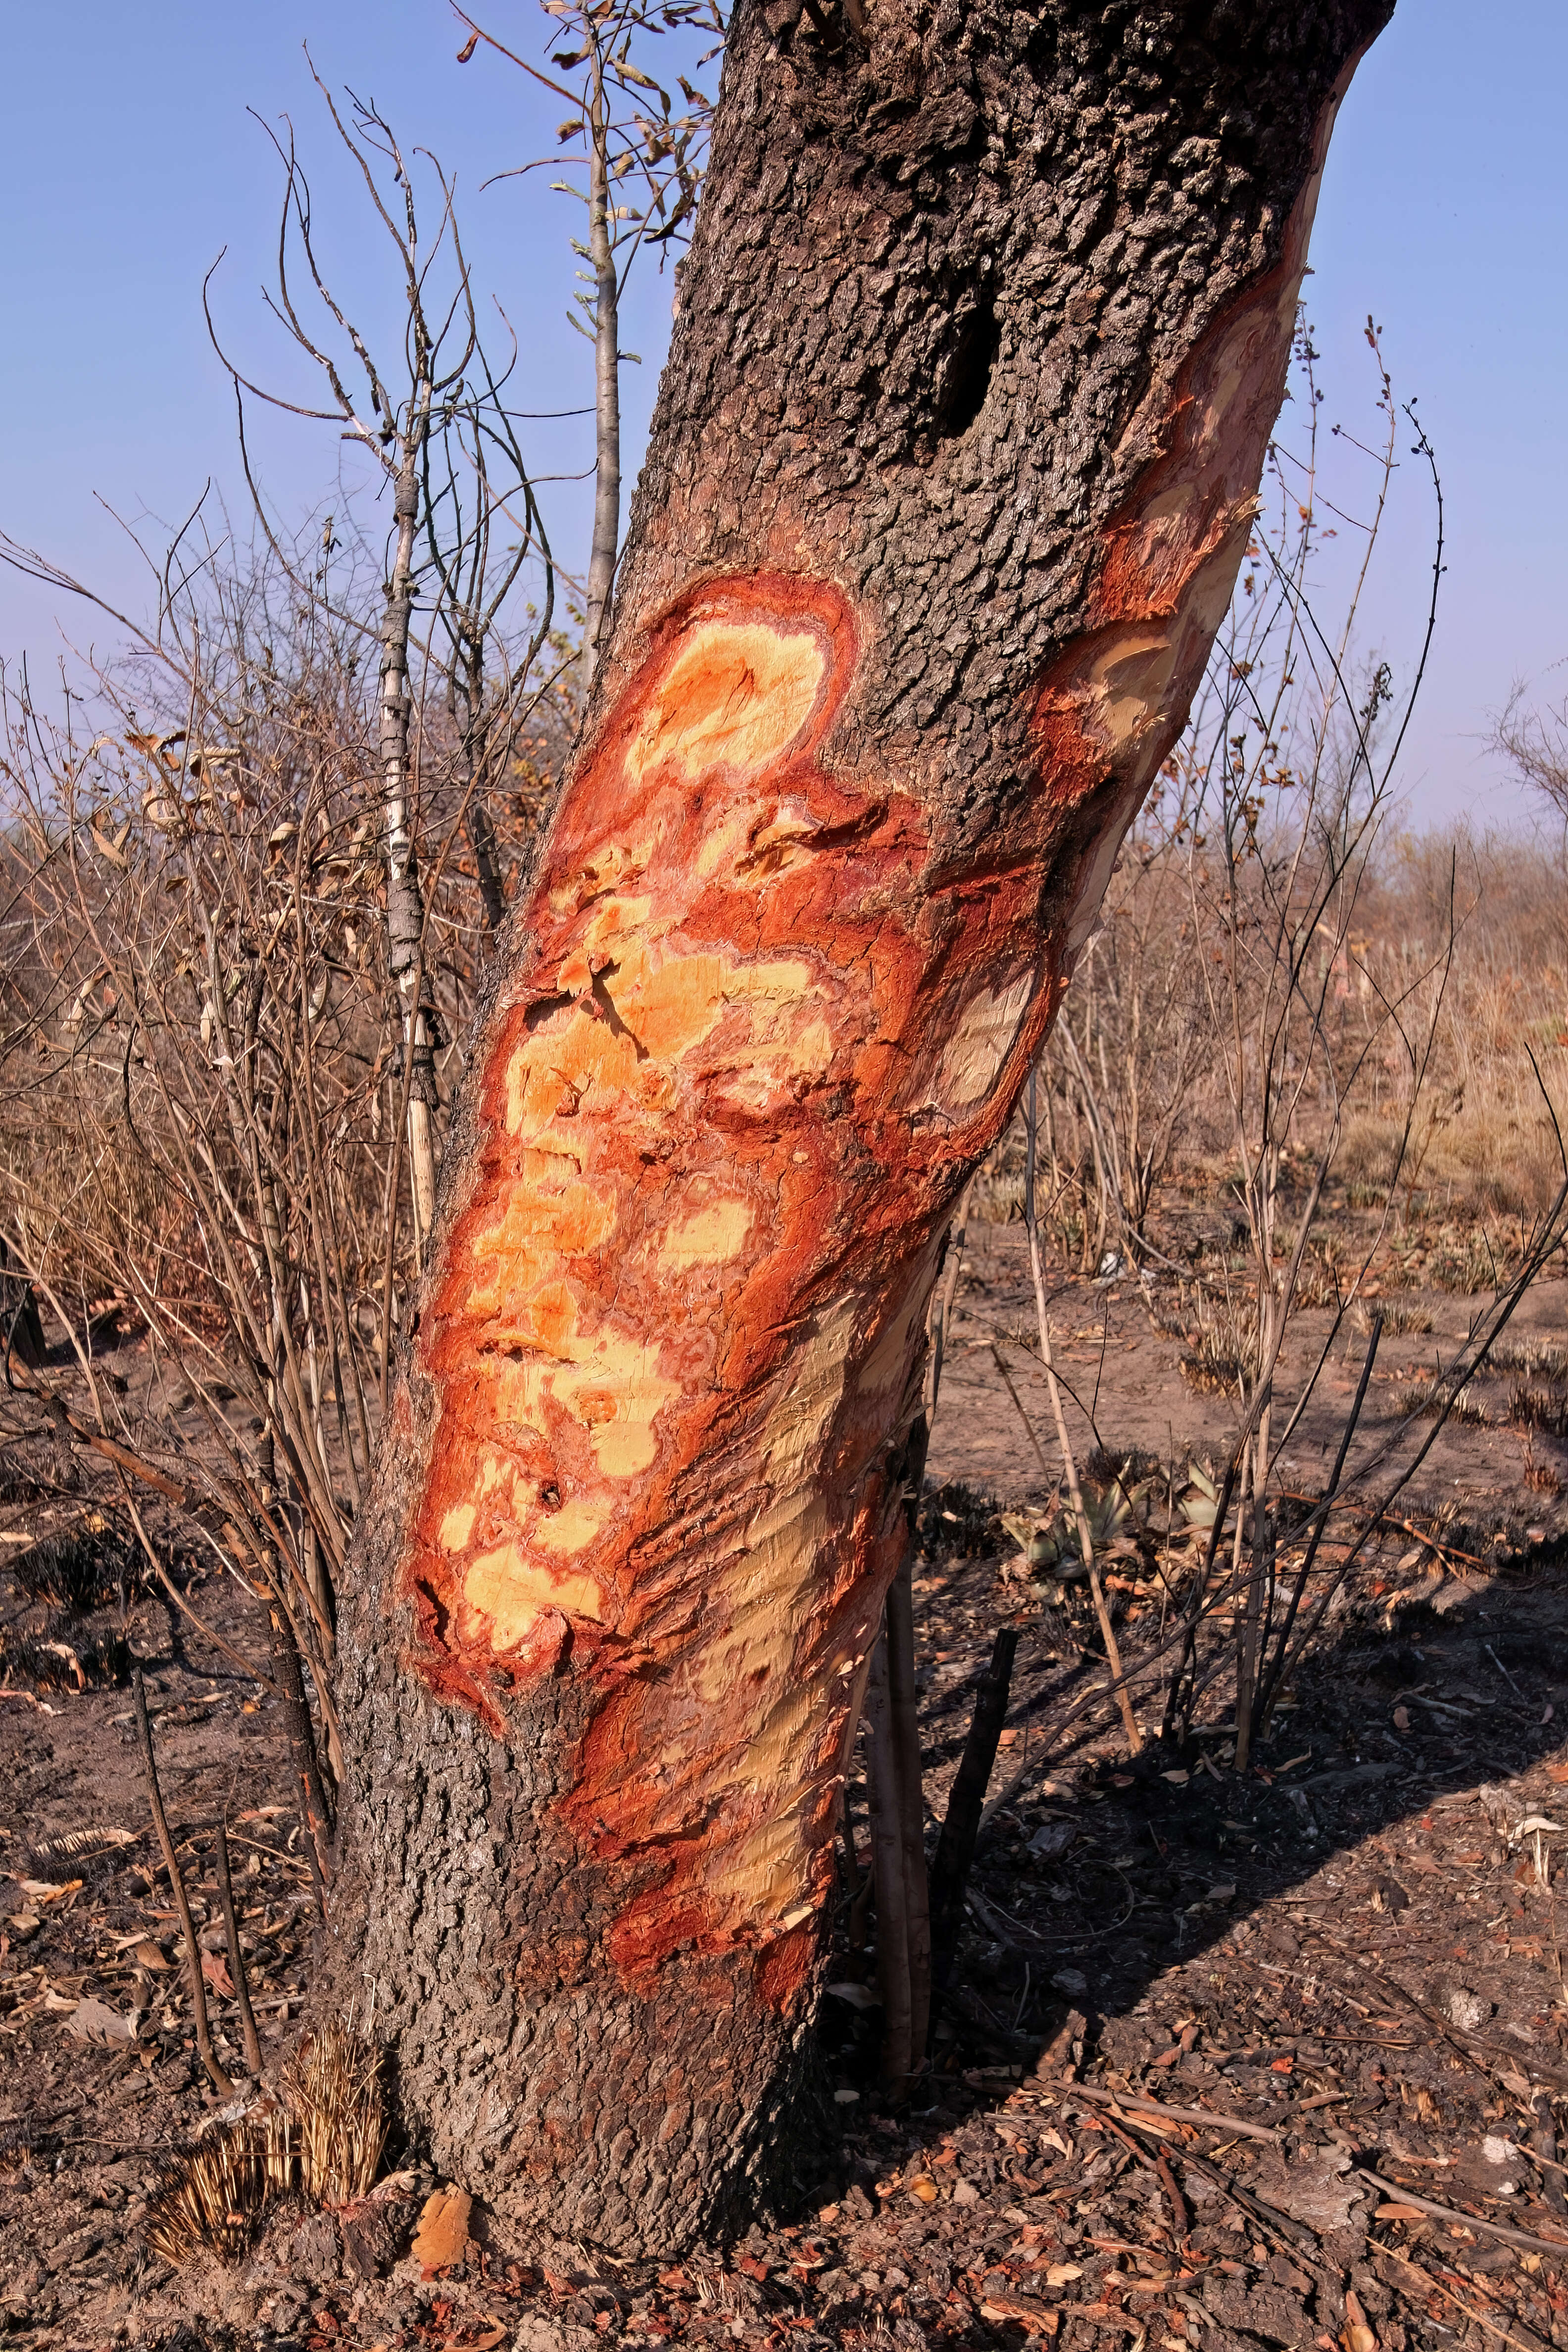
(762, 1031)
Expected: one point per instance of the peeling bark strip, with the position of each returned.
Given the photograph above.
(982, 333)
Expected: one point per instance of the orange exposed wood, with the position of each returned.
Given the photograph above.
(765, 1024)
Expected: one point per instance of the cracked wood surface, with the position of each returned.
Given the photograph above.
(981, 339)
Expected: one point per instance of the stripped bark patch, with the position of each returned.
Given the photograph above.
(762, 1028)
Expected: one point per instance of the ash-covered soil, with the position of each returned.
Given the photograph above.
(1338, 1975)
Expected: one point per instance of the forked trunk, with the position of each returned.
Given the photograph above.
(981, 337)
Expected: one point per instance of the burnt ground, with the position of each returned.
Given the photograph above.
(1346, 1962)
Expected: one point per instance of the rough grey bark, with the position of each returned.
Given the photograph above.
(982, 334)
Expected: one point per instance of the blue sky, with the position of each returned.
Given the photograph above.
(130, 160)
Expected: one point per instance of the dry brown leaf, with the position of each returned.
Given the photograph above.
(1035, 2317)
(214, 1968)
(149, 1956)
(1357, 2335)
(441, 2238)
(94, 2021)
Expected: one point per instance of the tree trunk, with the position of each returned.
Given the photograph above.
(404, 901)
(606, 369)
(981, 339)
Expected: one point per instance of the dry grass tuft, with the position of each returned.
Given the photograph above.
(1543, 1408)
(1425, 1397)
(323, 2136)
(333, 2085)
(80, 1568)
(1539, 1476)
(1397, 1320)
(1214, 1367)
(1539, 1359)
(60, 1658)
(215, 2197)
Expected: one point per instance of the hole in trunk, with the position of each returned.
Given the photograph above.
(965, 380)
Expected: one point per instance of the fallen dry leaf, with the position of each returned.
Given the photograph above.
(1357, 2337)
(94, 2021)
(858, 1996)
(1314, 2189)
(1060, 2272)
(214, 1968)
(149, 1954)
(441, 2238)
(1036, 2317)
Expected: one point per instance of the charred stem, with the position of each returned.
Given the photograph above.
(220, 2081)
(235, 1956)
(960, 1830)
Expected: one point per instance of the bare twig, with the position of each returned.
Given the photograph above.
(235, 1956)
(220, 2081)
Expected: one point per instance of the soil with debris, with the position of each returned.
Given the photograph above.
(1270, 2059)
